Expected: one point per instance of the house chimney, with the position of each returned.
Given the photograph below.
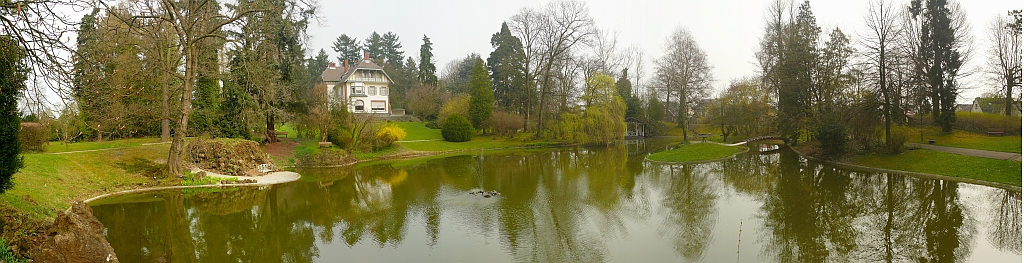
(332, 66)
(346, 65)
(366, 56)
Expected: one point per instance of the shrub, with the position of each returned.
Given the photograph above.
(833, 138)
(982, 122)
(457, 129)
(425, 101)
(506, 124)
(459, 105)
(325, 157)
(32, 136)
(898, 135)
(339, 137)
(388, 134)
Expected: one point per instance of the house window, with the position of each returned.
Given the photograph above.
(383, 91)
(367, 74)
(371, 91)
(358, 104)
(357, 89)
(378, 105)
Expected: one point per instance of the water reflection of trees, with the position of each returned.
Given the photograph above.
(173, 230)
(814, 213)
(690, 199)
(566, 205)
(1004, 233)
(808, 213)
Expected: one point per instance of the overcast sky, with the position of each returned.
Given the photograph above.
(727, 30)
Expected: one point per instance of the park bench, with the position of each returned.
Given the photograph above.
(281, 133)
(995, 131)
(325, 144)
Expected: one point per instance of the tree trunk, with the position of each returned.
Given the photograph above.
(543, 96)
(165, 116)
(271, 136)
(1009, 97)
(886, 94)
(529, 100)
(174, 162)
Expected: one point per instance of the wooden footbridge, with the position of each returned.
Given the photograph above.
(759, 138)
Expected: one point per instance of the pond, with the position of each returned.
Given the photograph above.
(575, 205)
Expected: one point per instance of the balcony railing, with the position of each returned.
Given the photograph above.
(366, 79)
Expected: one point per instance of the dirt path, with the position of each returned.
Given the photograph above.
(280, 151)
(971, 152)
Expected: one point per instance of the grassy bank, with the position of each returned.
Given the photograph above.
(696, 152)
(964, 139)
(948, 164)
(50, 182)
(56, 147)
(421, 138)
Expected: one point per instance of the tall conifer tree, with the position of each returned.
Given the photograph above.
(427, 70)
(481, 103)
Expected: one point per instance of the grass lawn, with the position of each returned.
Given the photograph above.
(696, 152)
(935, 162)
(52, 181)
(55, 147)
(418, 131)
(478, 142)
(971, 140)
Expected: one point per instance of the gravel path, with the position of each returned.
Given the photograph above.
(971, 152)
(269, 179)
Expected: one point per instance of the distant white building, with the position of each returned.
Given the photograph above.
(364, 86)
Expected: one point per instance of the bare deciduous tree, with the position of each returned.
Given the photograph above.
(1004, 62)
(549, 37)
(683, 73)
(45, 32)
(881, 46)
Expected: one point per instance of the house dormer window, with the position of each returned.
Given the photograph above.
(366, 74)
(371, 91)
(383, 91)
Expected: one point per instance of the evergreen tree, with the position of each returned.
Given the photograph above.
(940, 60)
(788, 58)
(236, 104)
(206, 101)
(625, 90)
(506, 64)
(205, 105)
(318, 64)
(404, 77)
(270, 61)
(348, 48)
(392, 49)
(481, 104)
(374, 46)
(427, 71)
(13, 74)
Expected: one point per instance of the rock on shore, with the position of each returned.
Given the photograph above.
(75, 236)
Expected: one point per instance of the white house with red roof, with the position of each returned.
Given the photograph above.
(364, 86)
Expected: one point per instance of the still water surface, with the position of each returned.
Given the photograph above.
(574, 205)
